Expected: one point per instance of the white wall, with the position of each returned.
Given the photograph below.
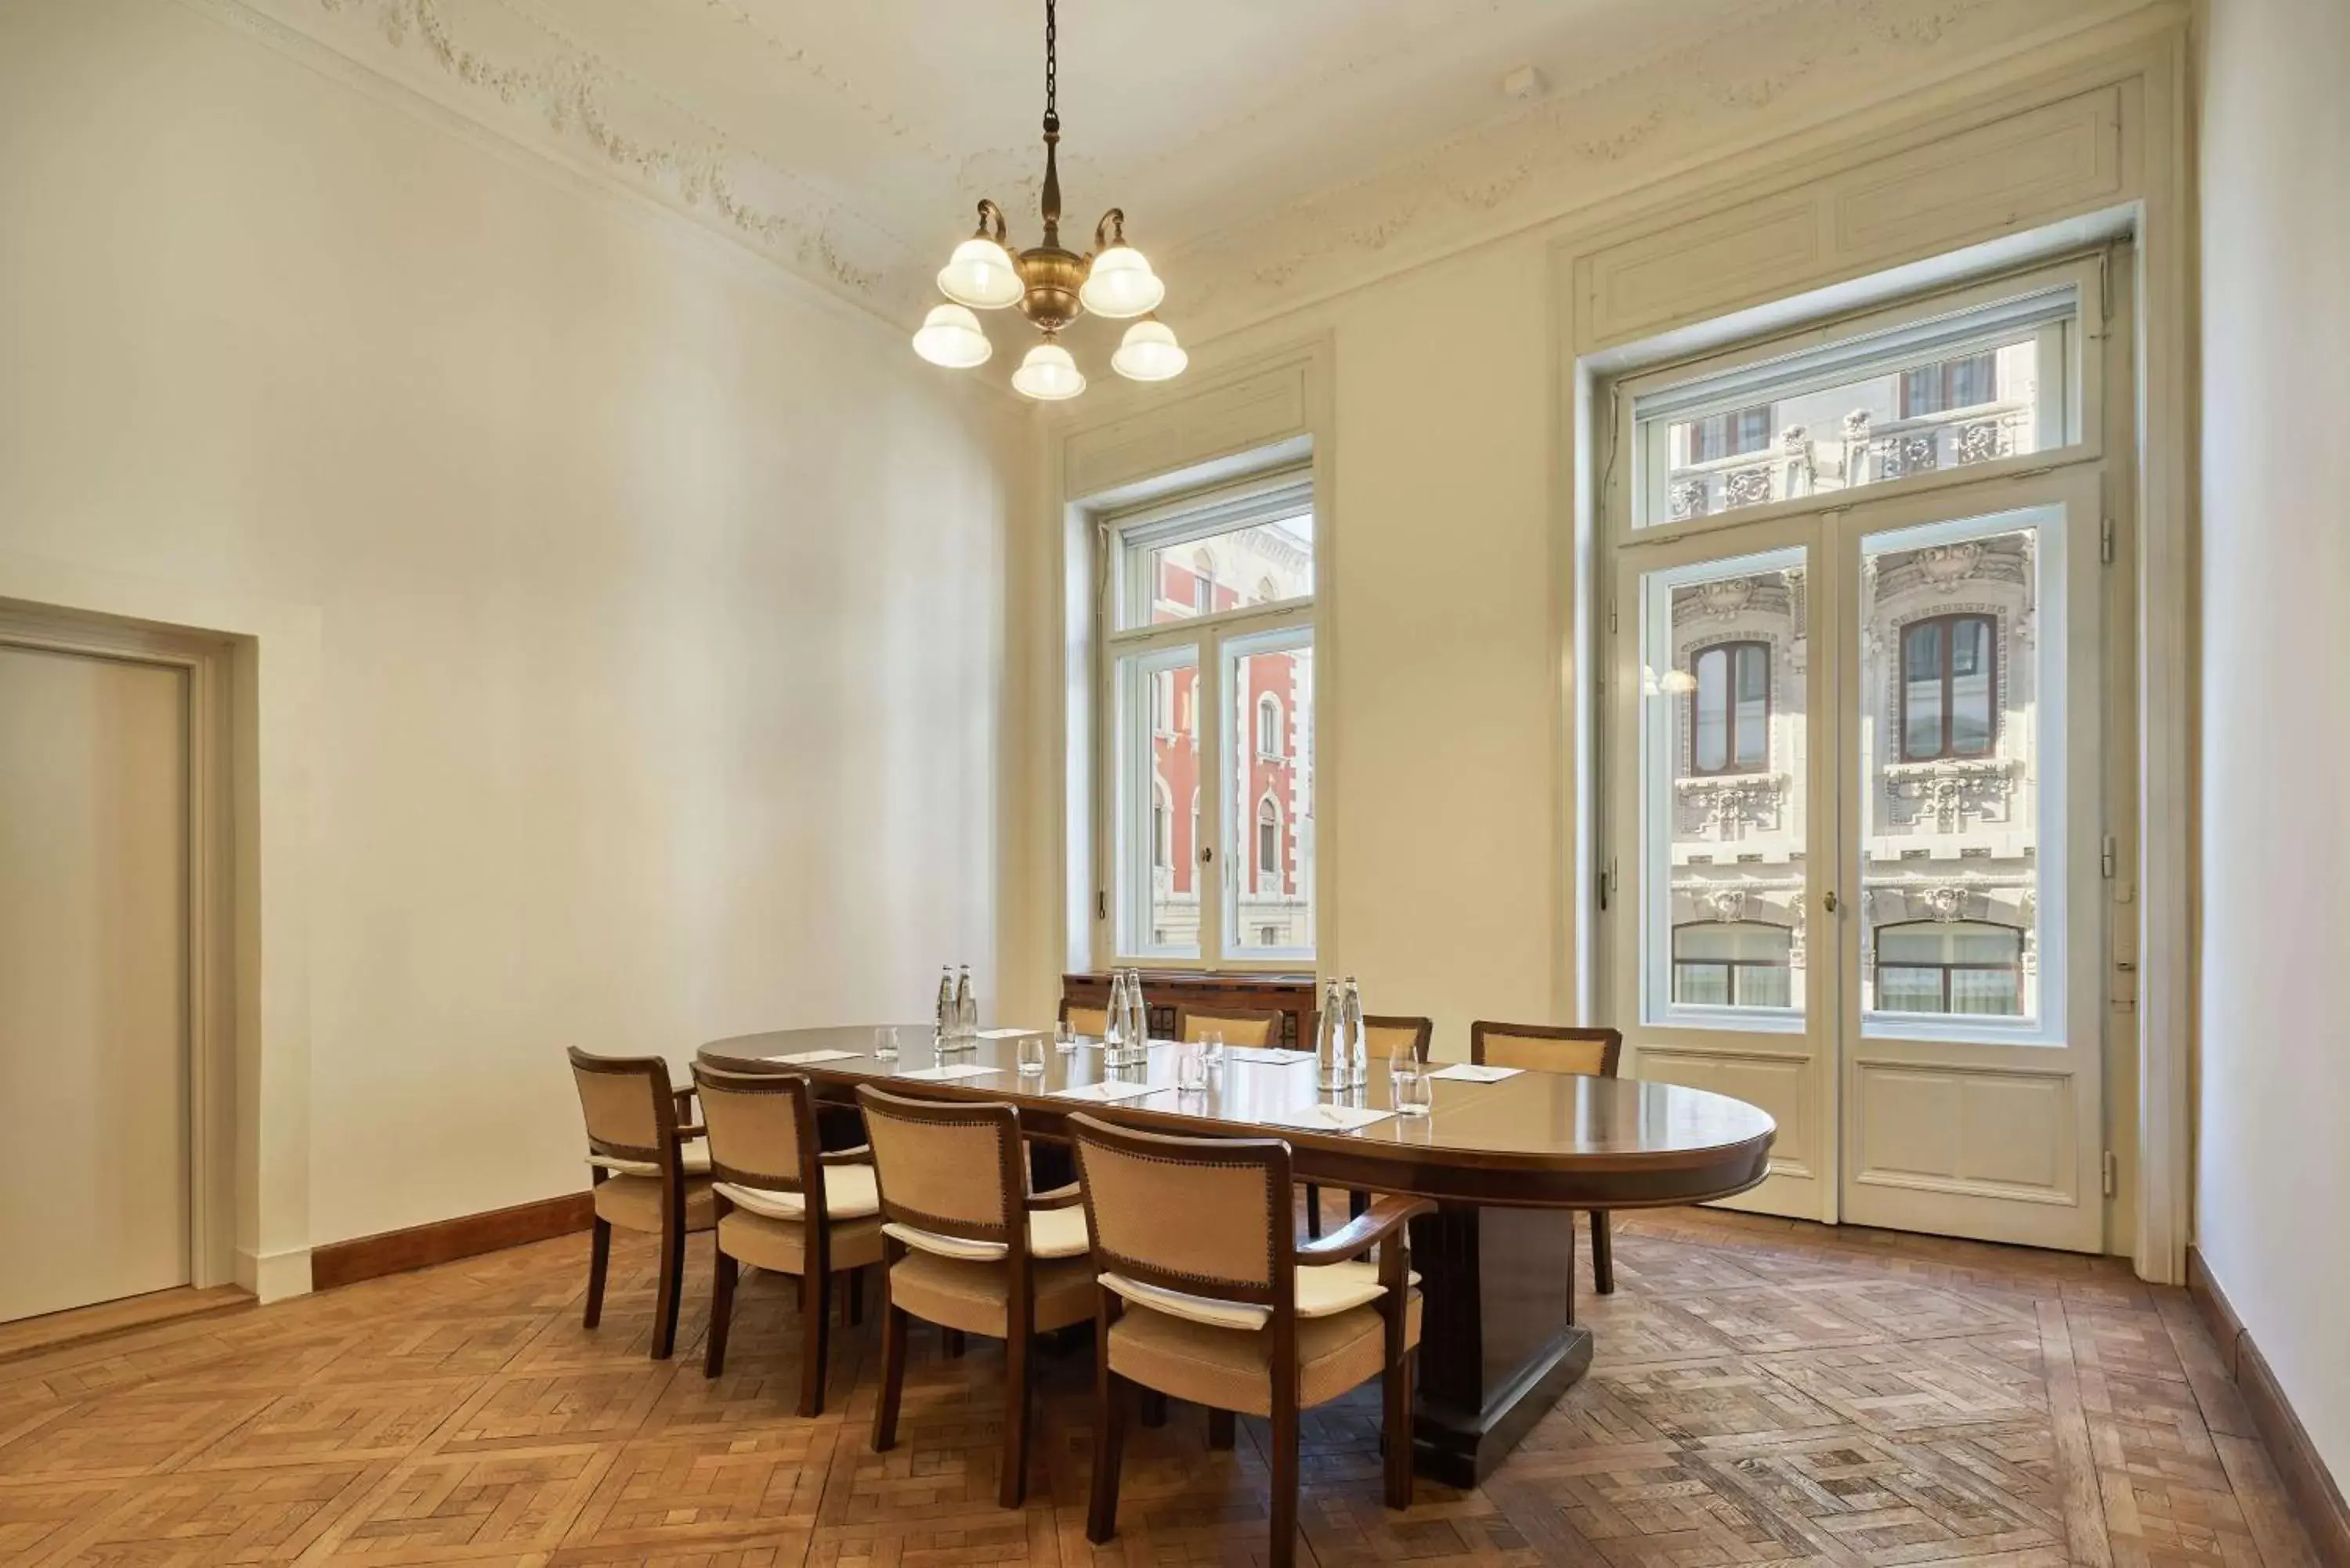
(659, 603)
(2273, 1167)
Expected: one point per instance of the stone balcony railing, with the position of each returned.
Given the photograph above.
(1861, 452)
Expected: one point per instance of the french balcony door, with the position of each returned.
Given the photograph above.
(1855, 832)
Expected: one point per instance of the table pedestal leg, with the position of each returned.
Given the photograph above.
(1498, 1342)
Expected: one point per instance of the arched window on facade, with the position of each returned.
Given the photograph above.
(1162, 828)
(1950, 966)
(1268, 846)
(1268, 726)
(1729, 709)
(1949, 687)
(1733, 963)
(1203, 583)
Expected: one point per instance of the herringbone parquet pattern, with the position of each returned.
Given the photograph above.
(1765, 1393)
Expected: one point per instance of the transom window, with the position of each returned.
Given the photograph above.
(1950, 687)
(1950, 966)
(1729, 709)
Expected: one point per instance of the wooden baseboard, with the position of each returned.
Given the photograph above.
(446, 1240)
(2306, 1481)
(107, 1320)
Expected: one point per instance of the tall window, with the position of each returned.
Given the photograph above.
(1268, 725)
(1220, 715)
(1949, 687)
(1729, 709)
(1950, 966)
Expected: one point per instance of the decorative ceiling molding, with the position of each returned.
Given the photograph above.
(1716, 78)
(1779, 66)
(509, 69)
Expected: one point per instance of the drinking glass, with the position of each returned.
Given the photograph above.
(885, 1045)
(1216, 1055)
(1191, 1069)
(1414, 1092)
(1065, 1039)
(1031, 1056)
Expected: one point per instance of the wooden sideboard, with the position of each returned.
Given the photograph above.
(1290, 995)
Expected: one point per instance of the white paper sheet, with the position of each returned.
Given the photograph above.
(1469, 1073)
(1329, 1118)
(1008, 1033)
(1266, 1053)
(948, 1073)
(1100, 1093)
(805, 1058)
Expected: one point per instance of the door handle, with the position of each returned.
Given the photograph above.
(1830, 902)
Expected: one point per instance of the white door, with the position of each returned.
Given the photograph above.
(94, 952)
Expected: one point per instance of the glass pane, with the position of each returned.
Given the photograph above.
(1159, 813)
(1262, 564)
(1721, 746)
(1272, 877)
(1860, 413)
(1951, 629)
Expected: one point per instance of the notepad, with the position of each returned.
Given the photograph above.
(1328, 1119)
(1099, 1092)
(1266, 1053)
(1006, 1033)
(807, 1058)
(1471, 1073)
(948, 1073)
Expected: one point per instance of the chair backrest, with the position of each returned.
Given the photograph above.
(1209, 1216)
(1093, 1023)
(1238, 1025)
(626, 1105)
(762, 1130)
(954, 1169)
(1545, 1048)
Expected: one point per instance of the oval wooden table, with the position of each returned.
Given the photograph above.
(1506, 1161)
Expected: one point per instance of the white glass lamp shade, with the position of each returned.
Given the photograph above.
(1121, 284)
(950, 337)
(1149, 353)
(1048, 374)
(981, 276)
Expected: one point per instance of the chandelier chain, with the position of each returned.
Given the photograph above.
(1052, 68)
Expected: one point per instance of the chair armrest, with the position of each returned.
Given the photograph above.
(1383, 1219)
(1060, 1198)
(692, 1130)
(861, 1155)
(684, 1098)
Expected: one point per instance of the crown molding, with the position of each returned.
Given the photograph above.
(1785, 67)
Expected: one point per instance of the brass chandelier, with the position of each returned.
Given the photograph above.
(1052, 286)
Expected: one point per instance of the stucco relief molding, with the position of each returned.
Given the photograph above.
(499, 66)
(1779, 66)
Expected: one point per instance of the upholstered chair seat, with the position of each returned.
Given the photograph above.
(695, 1155)
(650, 1173)
(634, 1203)
(1231, 1368)
(850, 1193)
(975, 1297)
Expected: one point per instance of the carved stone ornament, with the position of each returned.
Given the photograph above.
(1725, 597)
(1945, 566)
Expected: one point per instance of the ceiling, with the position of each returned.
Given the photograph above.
(851, 139)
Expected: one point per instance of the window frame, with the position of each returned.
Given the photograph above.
(1125, 540)
(1676, 963)
(1947, 624)
(2014, 969)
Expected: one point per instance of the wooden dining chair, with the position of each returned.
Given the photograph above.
(648, 1172)
(785, 1204)
(1548, 1048)
(1238, 1025)
(1383, 1036)
(966, 1246)
(1204, 1295)
(1082, 1018)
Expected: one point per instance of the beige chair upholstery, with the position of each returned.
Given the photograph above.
(1202, 1294)
(784, 1204)
(1550, 1048)
(648, 1175)
(1239, 1026)
(1093, 1023)
(969, 1249)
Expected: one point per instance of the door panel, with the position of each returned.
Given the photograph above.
(1975, 1059)
(1727, 835)
(94, 1141)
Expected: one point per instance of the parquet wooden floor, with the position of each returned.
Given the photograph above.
(1765, 1393)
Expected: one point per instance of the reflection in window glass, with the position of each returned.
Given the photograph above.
(1272, 792)
(1160, 896)
(1263, 564)
(1733, 963)
(1956, 966)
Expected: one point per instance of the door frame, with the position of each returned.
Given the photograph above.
(211, 915)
